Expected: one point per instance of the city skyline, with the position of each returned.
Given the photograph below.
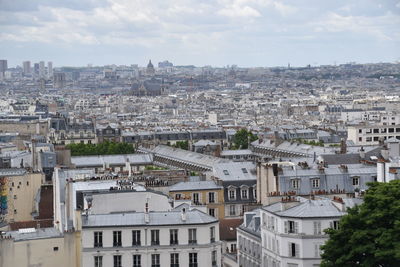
(248, 33)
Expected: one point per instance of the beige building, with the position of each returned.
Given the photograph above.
(45, 247)
(18, 191)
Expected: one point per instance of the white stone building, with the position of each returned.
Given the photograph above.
(158, 239)
(292, 231)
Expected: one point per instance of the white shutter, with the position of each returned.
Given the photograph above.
(315, 228)
(297, 249)
(290, 250)
(316, 250)
(296, 227)
(331, 225)
(286, 227)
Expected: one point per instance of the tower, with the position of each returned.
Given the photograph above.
(26, 67)
(50, 69)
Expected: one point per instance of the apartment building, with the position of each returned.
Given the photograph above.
(372, 134)
(157, 239)
(249, 240)
(207, 193)
(292, 231)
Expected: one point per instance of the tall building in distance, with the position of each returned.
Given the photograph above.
(41, 69)
(50, 69)
(36, 69)
(26, 65)
(3, 67)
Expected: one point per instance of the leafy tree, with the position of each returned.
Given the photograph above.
(242, 138)
(105, 148)
(182, 145)
(369, 235)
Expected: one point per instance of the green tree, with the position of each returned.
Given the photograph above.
(242, 138)
(105, 148)
(369, 235)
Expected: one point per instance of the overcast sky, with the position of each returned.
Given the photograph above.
(200, 32)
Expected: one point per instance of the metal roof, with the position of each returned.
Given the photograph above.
(100, 160)
(138, 219)
(307, 209)
(190, 186)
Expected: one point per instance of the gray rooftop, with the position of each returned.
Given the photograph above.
(100, 160)
(138, 219)
(310, 209)
(190, 186)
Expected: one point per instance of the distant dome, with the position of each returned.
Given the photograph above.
(150, 65)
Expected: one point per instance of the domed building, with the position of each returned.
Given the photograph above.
(150, 69)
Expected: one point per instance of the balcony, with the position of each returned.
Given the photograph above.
(192, 242)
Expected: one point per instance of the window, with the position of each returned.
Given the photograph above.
(136, 238)
(232, 210)
(291, 227)
(233, 248)
(376, 130)
(195, 198)
(98, 239)
(334, 225)
(15, 196)
(178, 196)
(244, 194)
(317, 228)
(244, 170)
(137, 261)
(211, 197)
(174, 260)
(117, 239)
(192, 259)
(155, 237)
(117, 261)
(173, 236)
(192, 236)
(98, 261)
(212, 234)
(232, 194)
(226, 172)
(368, 139)
(55, 248)
(155, 260)
(294, 250)
(214, 258)
(317, 249)
(356, 181)
(295, 183)
(315, 183)
(211, 212)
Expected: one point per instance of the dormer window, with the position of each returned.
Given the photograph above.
(232, 194)
(244, 170)
(244, 193)
(226, 172)
(295, 183)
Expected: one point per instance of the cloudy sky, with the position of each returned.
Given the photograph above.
(200, 32)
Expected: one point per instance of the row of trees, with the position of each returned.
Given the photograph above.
(105, 148)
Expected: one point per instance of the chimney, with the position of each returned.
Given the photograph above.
(183, 214)
(385, 152)
(146, 213)
(343, 146)
(34, 165)
(362, 153)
